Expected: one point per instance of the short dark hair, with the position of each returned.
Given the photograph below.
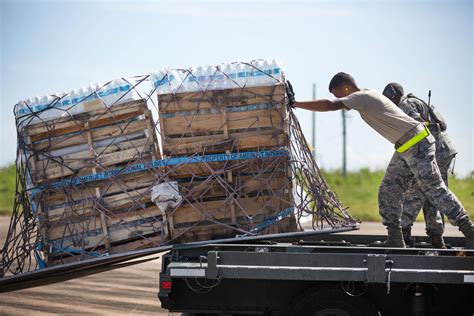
(341, 78)
(392, 90)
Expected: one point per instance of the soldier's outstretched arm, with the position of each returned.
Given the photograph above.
(322, 105)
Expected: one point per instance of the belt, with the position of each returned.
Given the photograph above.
(411, 138)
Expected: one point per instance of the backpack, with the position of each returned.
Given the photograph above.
(439, 120)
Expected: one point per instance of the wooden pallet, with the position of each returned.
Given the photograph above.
(77, 224)
(256, 190)
(206, 169)
(231, 193)
(227, 218)
(105, 216)
(88, 142)
(223, 120)
(241, 184)
(115, 215)
(56, 197)
(152, 240)
(213, 231)
(80, 233)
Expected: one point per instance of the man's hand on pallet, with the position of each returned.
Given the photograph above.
(290, 94)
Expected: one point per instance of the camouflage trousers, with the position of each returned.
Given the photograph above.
(417, 164)
(414, 200)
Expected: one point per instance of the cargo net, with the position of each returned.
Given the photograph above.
(177, 156)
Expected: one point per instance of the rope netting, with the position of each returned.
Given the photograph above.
(177, 156)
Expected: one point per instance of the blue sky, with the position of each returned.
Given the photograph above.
(55, 46)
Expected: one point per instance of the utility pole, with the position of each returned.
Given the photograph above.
(344, 144)
(313, 139)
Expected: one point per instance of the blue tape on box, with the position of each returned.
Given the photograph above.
(162, 163)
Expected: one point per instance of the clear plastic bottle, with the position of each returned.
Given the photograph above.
(276, 70)
(226, 71)
(106, 93)
(198, 76)
(82, 95)
(240, 79)
(208, 78)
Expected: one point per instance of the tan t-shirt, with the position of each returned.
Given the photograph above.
(380, 113)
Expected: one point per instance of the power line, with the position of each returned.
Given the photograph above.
(313, 138)
(344, 144)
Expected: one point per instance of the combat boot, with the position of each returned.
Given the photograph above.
(437, 241)
(407, 237)
(468, 231)
(394, 238)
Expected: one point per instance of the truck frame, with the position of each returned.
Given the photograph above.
(330, 274)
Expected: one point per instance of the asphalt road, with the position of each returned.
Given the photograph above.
(131, 290)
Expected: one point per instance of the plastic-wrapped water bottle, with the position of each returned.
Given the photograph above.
(212, 78)
(265, 67)
(238, 71)
(73, 98)
(276, 70)
(256, 75)
(229, 75)
(159, 81)
(86, 94)
(111, 95)
(55, 100)
(82, 94)
(35, 103)
(114, 93)
(206, 78)
(96, 89)
(170, 84)
(42, 107)
(23, 107)
(128, 91)
(66, 100)
(43, 103)
(176, 78)
(102, 92)
(174, 81)
(190, 80)
(198, 75)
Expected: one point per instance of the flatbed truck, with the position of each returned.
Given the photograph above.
(320, 274)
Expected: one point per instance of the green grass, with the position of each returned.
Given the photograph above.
(464, 190)
(7, 189)
(359, 190)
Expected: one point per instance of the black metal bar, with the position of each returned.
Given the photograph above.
(66, 276)
(73, 270)
(281, 237)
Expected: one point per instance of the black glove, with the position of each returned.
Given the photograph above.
(290, 94)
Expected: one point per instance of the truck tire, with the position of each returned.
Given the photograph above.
(332, 301)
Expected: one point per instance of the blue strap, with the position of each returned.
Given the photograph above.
(270, 221)
(41, 263)
(163, 163)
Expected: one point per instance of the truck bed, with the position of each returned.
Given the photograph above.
(275, 276)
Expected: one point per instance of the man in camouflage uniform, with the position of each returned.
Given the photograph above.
(414, 199)
(414, 159)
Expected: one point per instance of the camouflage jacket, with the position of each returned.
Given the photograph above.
(418, 110)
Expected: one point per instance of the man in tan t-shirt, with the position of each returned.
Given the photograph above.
(413, 160)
